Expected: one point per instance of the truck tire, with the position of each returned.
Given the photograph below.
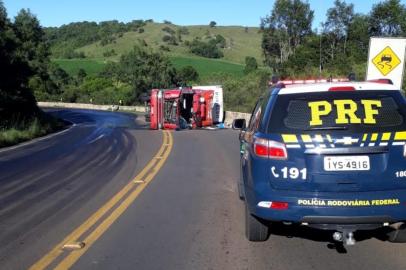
(398, 236)
(256, 230)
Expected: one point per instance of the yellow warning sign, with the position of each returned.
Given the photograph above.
(386, 61)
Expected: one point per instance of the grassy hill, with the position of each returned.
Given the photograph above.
(240, 42)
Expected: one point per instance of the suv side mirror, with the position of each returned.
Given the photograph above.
(239, 123)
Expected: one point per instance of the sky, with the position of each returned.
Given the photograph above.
(181, 12)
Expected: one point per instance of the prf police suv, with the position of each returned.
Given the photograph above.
(330, 156)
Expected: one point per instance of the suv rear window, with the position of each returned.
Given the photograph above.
(354, 111)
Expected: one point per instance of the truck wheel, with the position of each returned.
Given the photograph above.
(256, 230)
(398, 236)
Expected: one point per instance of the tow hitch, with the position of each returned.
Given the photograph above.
(347, 237)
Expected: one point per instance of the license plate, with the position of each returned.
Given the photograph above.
(346, 163)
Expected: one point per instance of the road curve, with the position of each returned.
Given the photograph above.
(189, 217)
(49, 187)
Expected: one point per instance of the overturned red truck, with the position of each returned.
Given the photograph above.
(180, 108)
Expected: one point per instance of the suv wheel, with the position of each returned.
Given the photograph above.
(398, 236)
(256, 230)
(240, 191)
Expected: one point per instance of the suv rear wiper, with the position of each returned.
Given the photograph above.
(328, 128)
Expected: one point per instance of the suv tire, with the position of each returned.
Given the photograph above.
(240, 191)
(256, 230)
(398, 236)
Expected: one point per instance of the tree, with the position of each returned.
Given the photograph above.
(32, 45)
(388, 18)
(212, 24)
(306, 60)
(143, 70)
(206, 49)
(187, 74)
(16, 99)
(285, 29)
(250, 64)
(339, 19)
(59, 76)
(81, 74)
(220, 41)
(358, 38)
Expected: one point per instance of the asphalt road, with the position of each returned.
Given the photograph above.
(188, 217)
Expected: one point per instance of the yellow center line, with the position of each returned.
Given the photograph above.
(67, 262)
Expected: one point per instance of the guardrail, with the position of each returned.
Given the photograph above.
(91, 106)
(229, 116)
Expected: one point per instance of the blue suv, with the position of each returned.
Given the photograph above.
(330, 156)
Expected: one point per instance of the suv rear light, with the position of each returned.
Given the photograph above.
(384, 81)
(342, 88)
(270, 149)
(279, 205)
(274, 205)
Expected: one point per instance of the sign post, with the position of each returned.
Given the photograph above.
(386, 59)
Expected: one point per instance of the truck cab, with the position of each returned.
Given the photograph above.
(181, 108)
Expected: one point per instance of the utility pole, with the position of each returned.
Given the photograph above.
(321, 33)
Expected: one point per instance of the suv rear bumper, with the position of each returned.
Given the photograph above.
(330, 208)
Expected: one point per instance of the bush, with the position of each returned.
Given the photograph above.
(220, 41)
(205, 49)
(240, 94)
(109, 53)
(250, 64)
(187, 75)
(29, 129)
(184, 30)
(171, 40)
(168, 30)
(70, 95)
(164, 48)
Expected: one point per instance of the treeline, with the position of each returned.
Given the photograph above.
(290, 46)
(24, 58)
(24, 62)
(338, 46)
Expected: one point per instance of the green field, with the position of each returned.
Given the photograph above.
(207, 67)
(72, 66)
